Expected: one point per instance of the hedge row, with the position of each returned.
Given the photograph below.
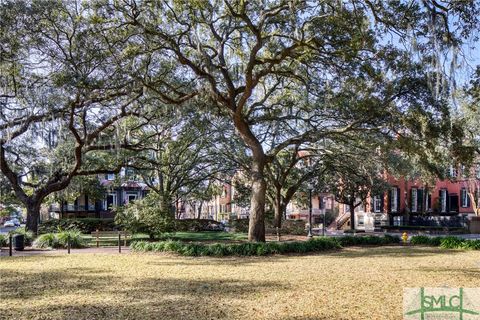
(446, 242)
(85, 225)
(182, 225)
(293, 227)
(426, 228)
(258, 248)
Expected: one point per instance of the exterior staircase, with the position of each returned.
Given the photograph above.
(340, 221)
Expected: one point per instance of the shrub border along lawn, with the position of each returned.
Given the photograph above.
(449, 242)
(260, 248)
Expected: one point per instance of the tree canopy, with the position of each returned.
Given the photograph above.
(80, 78)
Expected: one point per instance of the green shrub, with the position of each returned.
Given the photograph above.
(425, 240)
(85, 225)
(420, 240)
(145, 216)
(46, 240)
(3, 240)
(196, 225)
(293, 227)
(427, 228)
(239, 225)
(346, 241)
(313, 245)
(451, 243)
(237, 249)
(471, 245)
(75, 236)
(60, 240)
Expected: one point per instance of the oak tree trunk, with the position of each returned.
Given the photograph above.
(352, 216)
(200, 210)
(278, 212)
(33, 215)
(256, 227)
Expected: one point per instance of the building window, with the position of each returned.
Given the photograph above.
(131, 197)
(398, 221)
(328, 203)
(110, 176)
(414, 199)
(477, 170)
(427, 201)
(443, 200)
(346, 208)
(361, 220)
(464, 198)
(377, 204)
(453, 172)
(110, 201)
(130, 173)
(394, 199)
(224, 192)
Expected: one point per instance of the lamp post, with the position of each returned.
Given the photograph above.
(310, 188)
(323, 224)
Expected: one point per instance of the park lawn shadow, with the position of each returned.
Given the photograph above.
(90, 294)
(26, 285)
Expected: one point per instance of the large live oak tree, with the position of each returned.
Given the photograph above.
(63, 101)
(283, 72)
(274, 65)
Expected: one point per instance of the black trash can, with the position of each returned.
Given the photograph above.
(18, 242)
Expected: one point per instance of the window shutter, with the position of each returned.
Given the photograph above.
(410, 200)
(419, 200)
(448, 200)
(439, 200)
(382, 197)
(398, 200)
(389, 201)
(372, 203)
(462, 196)
(468, 199)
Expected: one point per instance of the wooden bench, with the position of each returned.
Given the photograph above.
(101, 236)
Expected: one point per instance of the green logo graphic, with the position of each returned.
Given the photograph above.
(441, 303)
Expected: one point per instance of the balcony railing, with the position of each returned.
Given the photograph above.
(305, 212)
(72, 208)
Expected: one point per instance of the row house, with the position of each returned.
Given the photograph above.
(322, 203)
(413, 202)
(220, 208)
(119, 190)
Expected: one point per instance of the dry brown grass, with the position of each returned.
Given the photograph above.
(356, 283)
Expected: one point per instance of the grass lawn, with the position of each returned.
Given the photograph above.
(355, 283)
(203, 236)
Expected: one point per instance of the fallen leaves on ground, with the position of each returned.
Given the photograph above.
(354, 283)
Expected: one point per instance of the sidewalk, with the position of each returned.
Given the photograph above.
(33, 252)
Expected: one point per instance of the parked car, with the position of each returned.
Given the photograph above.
(9, 223)
(16, 222)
